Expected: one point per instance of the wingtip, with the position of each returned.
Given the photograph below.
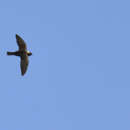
(22, 74)
(16, 35)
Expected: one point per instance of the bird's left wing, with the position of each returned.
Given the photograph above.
(24, 63)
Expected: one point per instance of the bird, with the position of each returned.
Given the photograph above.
(23, 53)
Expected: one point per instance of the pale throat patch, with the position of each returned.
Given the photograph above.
(28, 52)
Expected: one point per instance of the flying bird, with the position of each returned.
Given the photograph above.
(23, 53)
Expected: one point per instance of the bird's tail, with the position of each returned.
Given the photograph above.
(10, 53)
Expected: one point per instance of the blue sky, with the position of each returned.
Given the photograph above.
(79, 74)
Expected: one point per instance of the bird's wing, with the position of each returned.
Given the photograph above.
(21, 43)
(24, 63)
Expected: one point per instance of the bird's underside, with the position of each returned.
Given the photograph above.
(22, 53)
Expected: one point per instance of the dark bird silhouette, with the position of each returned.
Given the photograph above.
(22, 53)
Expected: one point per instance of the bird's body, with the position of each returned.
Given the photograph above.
(22, 53)
(19, 53)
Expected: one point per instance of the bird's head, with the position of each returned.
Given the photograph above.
(29, 53)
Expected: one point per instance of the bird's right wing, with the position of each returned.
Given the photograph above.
(21, 43)
(24, 64)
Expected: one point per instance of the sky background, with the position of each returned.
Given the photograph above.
(79, 74)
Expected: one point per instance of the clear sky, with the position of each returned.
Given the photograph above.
(79, 74)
